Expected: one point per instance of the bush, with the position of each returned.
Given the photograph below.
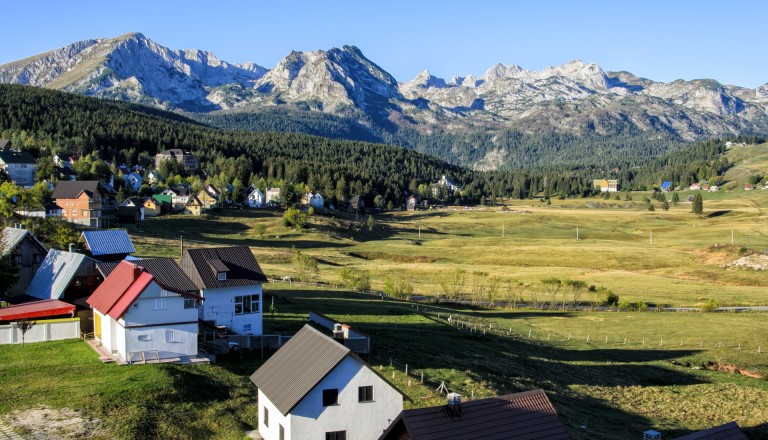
(608, 298)
(710, 306)
(294, 218)
(356, 279)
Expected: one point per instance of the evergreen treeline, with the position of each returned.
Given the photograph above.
(46, 121)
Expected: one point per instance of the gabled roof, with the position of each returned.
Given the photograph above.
(728, 431)
(68, 189)
(165, 270)
(665, 185)
(297, 367)
(13, 236)
(4, 143)
(36, 309)
(194, 201)
(108, 242)
(55, 274)
(120, 289)
(242, 269)
(12, 156)
(527, 415)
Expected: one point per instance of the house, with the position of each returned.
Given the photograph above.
(19, 165)
(411, 203)
(727, 431)
(695, 187)
(229, 279)
(139, 315)
(64, 160)
(666, 186)
(449, 184)
(606, 185)
(165, 202)
(179, 196)
(316, 201)
(80, 201)
(356, 204)
(183, 157)
(748, 187)
(273, 196)
(154, 176)
(133, 181)
(108, 244)
(714, 188)
(209, 196)
(704, 187)
(152, 207)
(314, 385)
(256, 199)
(26, 253)
(194, 206)
(526, 415)
(67, 276)
(131, 210)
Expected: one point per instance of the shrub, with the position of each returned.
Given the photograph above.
(294, 218)
(710, 306)
(609, 299)
(356, 279)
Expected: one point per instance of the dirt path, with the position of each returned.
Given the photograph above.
(6, 433)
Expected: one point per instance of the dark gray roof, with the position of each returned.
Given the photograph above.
(242, 268)
(13, 236)
(165, 270)
(4, 143)
(297, 367)
(108, 242)
(12, 156)
(527, 415)
(67, 189)
(728, 431)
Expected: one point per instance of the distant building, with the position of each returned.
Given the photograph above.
(666, 186)
(316, 201)
(133, 181)
(256, 199)
(411, 203)
(108, 244)
(273, 195)
(356, 204)
(728, 431)
(183, 157)
(81, 201)
(26, 253)
(19, 165)
(606, 185)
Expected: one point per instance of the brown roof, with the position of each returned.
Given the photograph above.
(297, 367)
(167, 273)
(67, 189)
(527, 415)
(728, 431)
(241, 267)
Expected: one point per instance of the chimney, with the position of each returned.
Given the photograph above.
(338, 332)
(454, 404)
(651, 435)
(72, 247)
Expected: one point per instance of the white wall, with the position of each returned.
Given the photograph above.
(272, 432)
(169, 341)
(53, 330)
(361, 420)
(219, 306)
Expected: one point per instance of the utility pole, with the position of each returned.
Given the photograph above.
(651, 236)
(577, 233)
(502, 231)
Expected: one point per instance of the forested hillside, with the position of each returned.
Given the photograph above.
(45, 121)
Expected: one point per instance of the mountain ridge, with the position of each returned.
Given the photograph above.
(574, 98)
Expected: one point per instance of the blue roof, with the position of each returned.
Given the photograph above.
(665, 185)
(108, 242)
(55, 274)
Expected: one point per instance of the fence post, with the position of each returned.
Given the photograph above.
(406, 369)
(422, 377)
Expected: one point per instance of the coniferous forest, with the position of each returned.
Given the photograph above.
(45, 122)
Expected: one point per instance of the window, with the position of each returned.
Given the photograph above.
(245, 305)
(74, 213)
(170, 336)
(17, 259)
(159, 303)
(38, 258)
(145, 337)
(247, 327)
(266, 417)
(190, 303)
(365, 394)
(135, 305)
(221, 276)
(336, 435)
(331, 397)
(85, 213)
(282, 433)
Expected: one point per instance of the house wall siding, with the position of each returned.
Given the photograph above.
(167, 340)
(361, 420)
(219, 306)
(272, 432)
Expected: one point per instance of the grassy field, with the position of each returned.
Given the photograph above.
(617, 390)
(663, 258)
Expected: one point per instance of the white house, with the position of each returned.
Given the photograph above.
(179, 196)
(20, 165)
(273, 195)
(316, 201)
(140, 316)
(256, 199)
(133, 181)
(229, 279)
(314, 385)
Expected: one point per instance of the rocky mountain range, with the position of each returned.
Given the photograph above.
(575, 98)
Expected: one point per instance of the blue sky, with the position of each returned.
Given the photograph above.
(660, 40)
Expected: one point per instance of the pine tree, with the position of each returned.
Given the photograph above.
(698, 205)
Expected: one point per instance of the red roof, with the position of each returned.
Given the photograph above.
(36, 309)
(120, 289)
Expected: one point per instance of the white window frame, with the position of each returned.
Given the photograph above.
(159, 304)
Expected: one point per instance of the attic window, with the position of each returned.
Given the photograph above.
(221, 276)
(331, 397)
(219, 268)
